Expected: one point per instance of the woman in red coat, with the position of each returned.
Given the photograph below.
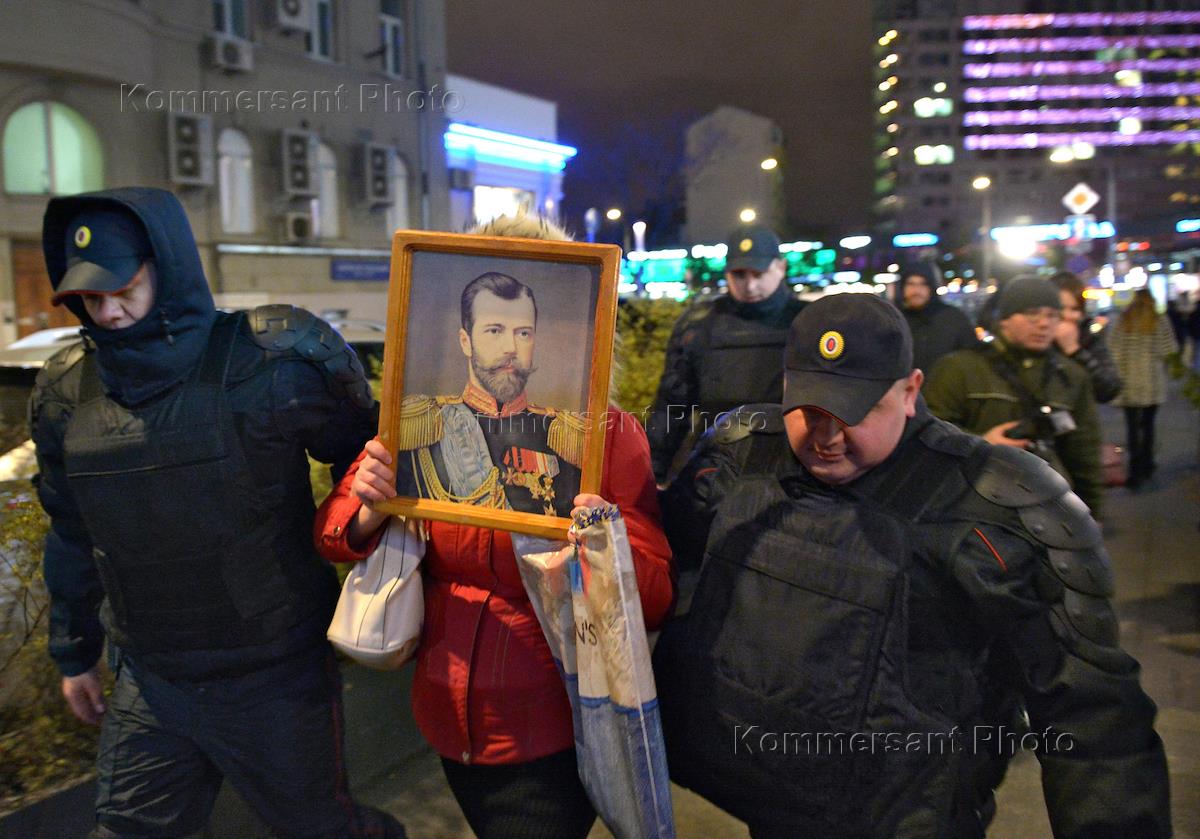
(487, 694)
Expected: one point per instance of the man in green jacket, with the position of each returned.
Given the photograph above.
(1020, 391)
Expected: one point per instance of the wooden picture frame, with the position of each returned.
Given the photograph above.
(431, 419)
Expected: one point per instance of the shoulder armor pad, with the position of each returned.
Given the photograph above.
(58, 364)
(420, 423)
(1110, 658)
(1086, 570)
(1062, 522)
(1014, 478)
(281, 329)
(759, 418)
(1091, 617)
(565, 436)
(941, 436)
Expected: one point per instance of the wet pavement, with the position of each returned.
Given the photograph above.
(1153, 537)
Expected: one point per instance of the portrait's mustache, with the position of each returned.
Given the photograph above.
(508, 361)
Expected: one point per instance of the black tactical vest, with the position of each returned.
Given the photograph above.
(784, 690)
(743, 360)
(191, 552)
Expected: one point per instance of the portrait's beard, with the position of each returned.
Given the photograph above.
(503, 385)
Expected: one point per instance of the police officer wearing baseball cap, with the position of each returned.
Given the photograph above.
(172, 449)
(724, 351)
(878, 594)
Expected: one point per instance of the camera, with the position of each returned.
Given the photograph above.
(1047, 424)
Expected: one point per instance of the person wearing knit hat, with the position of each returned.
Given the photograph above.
(1020, 391)
(938, 328)
(870, 592)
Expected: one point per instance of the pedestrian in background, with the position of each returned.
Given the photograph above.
(1020, 391)
(938, 328)
(724, 351)
(1082, 339)
(1141, 342)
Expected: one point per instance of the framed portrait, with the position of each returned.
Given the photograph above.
(496, 377)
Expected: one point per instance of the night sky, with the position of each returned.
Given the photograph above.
(629, 77)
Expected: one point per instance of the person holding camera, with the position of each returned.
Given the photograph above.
(1019, 390)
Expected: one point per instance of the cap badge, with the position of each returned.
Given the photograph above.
(832, 344)
(745, 245)
(83, 236)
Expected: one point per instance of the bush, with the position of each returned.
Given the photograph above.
(42, 744)
(643, 328)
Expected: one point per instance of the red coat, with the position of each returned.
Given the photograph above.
(486, 689)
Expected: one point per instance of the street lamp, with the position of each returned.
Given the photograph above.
(984, 184)
(639, 235)
(769, 164)
(747, 215)
(613, 215)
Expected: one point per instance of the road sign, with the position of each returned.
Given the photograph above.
(1081, 226)
(1080, 198)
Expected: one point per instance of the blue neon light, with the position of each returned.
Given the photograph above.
(1060, 232)
(506, 149)
(914, 240)
(1187, 225)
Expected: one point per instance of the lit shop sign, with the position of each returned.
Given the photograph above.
(1083, 43)
(974, 23)
(1020, 69)
(979, 142)
(1059, 116)
(914, 240)
(1187, 225)
(1040, 92)
(498, 147)
(1054, 232)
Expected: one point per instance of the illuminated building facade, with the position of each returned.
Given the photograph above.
(1036, 96)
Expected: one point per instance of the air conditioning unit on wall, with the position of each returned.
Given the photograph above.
(299, 159)
(377, 174)
(297, 227)
(230, 53)
(289, 15)
(190, 149)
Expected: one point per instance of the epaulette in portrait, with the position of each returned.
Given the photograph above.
(566, 434)
(420, 422)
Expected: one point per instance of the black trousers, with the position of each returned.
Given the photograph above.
(274, 734)
(541, 799)
(1139, 426)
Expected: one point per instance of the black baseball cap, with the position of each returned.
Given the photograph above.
(753, 247)
(843, 353)
(104, 248)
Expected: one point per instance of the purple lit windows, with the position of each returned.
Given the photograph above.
(1034, 92)
(983, 142)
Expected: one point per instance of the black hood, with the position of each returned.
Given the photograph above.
(145, 359)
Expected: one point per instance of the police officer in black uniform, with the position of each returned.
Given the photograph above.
(879, 595)
(725, 352)
(172, 447)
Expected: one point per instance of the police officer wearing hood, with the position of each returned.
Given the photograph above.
(172, 449)
(878, 594)
(724, 352)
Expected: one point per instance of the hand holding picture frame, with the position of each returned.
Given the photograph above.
(496, 377)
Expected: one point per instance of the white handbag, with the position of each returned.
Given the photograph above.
(380, 611)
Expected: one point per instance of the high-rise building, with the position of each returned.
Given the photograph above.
(1036, 96)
